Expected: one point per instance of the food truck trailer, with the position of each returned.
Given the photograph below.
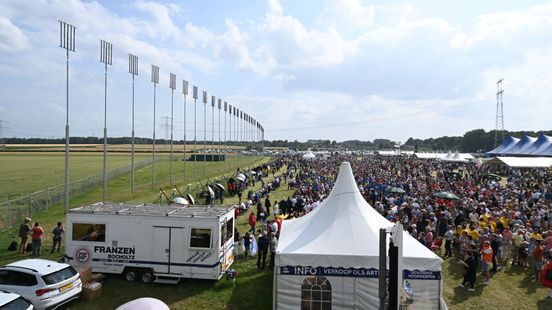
(153, 243)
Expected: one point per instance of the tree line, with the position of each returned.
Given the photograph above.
(477, 140)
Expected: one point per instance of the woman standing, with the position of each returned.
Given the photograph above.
(37, 233)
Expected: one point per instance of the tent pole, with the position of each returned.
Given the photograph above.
(382, 267)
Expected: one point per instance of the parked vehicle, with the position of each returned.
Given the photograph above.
(12, 301)
(151, 242)
(46, 284)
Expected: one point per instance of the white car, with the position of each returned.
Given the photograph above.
(11, 301)
(46, 284)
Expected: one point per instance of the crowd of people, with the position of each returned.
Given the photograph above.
(486, 225)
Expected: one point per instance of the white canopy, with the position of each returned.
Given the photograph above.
(309, 155)
(343, 234)
(523, 162)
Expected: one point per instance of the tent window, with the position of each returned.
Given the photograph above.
(316, 294)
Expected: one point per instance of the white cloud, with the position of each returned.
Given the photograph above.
(12, 39)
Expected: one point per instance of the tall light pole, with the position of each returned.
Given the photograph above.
(132, 69)
(155, 81)
(213, 100)
(219, 145)
(185, 92)
(240, 124)
(204, 133)
(229, 130)
(195, 95)
(236, 122)
(225, 141)
(106, 58)
(67, 41)
(172, 86)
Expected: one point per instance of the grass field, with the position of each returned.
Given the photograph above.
(509, 289)
(23, 173)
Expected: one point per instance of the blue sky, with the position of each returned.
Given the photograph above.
(335, 69)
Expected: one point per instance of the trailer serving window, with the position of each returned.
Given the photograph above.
(88, 232)
(200, 238)
(226, 231)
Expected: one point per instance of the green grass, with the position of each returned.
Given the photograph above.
(29, 172)
(509, 289)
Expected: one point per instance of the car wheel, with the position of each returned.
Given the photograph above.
(130, 275)
(147, 276)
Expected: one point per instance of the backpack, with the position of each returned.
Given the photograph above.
(29, 247)
(13, 246)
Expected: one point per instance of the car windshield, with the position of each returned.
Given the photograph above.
(59, 276)
(16, 304)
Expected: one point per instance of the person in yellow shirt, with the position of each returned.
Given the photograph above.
(485, 217)
(492, 225)
(474, 233)
(504, 220)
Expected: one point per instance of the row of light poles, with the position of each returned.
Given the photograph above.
(246, 128)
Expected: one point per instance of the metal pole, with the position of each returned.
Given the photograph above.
(184, 139)
(195, 138)
(382, 267)
(105, 138)
(219, 145)
(132, 69)
(225, 141)
(66, 196)
(229, 142)
(212, 130)
(205, 138)
(132, 161)
(171, 151)
(153, 163)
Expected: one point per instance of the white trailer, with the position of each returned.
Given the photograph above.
(151, 242)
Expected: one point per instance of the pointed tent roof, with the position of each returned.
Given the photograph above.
(544, 151)
(520, 147)
(344, 231)
(507, 144)
(309, 155)
(542, 143)
(458, 157)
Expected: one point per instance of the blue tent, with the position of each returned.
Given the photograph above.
(519, 148)
(526, 146)
(507, 144)
(543, 141)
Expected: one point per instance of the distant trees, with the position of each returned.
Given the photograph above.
(477, 140)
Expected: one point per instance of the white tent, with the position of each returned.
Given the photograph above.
(309, 155)
(430, 155)
(331, 255)
(523, 162)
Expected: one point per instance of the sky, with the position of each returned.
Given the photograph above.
(330, 69)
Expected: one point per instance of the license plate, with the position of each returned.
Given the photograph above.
(65, 287)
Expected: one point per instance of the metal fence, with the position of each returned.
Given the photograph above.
(14, 211)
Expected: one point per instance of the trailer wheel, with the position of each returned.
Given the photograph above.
(147, 276)
(130, 274)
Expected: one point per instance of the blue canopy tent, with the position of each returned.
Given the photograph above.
(543, 142)
(507, 144)
(519, 148)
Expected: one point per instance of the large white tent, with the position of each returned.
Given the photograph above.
(523, 162)
(329, 257)
(309, 155)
